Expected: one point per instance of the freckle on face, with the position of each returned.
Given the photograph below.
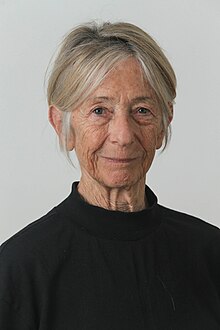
(117, 147)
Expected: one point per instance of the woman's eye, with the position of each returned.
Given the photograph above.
(144, 111)
(98, 111)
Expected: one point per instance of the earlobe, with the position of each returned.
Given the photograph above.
(160, 138)
(71, 141)
(55, 117)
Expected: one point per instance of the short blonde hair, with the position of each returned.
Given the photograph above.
(90, 51)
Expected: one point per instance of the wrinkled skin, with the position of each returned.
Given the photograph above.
(115, 133)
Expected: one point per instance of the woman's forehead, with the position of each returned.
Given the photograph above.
(126, 78)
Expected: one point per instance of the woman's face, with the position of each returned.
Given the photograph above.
(117, 130)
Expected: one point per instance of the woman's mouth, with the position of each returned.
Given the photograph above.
(119, 160)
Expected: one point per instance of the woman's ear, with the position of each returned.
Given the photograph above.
(170, 117)
(55, 117)
(160, 138)
(161, 134)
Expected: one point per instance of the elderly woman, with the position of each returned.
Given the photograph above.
(109, 257)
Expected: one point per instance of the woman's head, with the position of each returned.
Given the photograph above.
(89, 52)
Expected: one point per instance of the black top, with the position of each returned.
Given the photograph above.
(81, 267)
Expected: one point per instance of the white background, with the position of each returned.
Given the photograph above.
(34, 176)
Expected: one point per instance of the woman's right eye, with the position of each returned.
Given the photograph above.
(98, 111)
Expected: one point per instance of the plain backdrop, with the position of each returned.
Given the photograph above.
(34, 176)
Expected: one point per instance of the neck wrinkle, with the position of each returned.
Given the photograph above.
(109, 224)
(125, 199)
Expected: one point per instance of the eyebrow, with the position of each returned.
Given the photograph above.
(100, 98)
(144, 98)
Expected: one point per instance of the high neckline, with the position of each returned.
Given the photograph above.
(108, 224)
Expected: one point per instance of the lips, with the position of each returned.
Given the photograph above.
(119, 160)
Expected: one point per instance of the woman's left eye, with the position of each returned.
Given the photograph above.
(144, 111)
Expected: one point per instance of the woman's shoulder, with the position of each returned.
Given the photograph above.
(189, 226)
(24, 260)
(30, 237)
(43, 236)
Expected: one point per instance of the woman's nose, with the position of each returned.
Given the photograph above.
(121, 130)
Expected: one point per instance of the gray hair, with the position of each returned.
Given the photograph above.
(90, 51)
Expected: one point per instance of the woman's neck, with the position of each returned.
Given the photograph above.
(125, 199)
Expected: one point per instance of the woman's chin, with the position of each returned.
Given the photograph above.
(119, 181)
